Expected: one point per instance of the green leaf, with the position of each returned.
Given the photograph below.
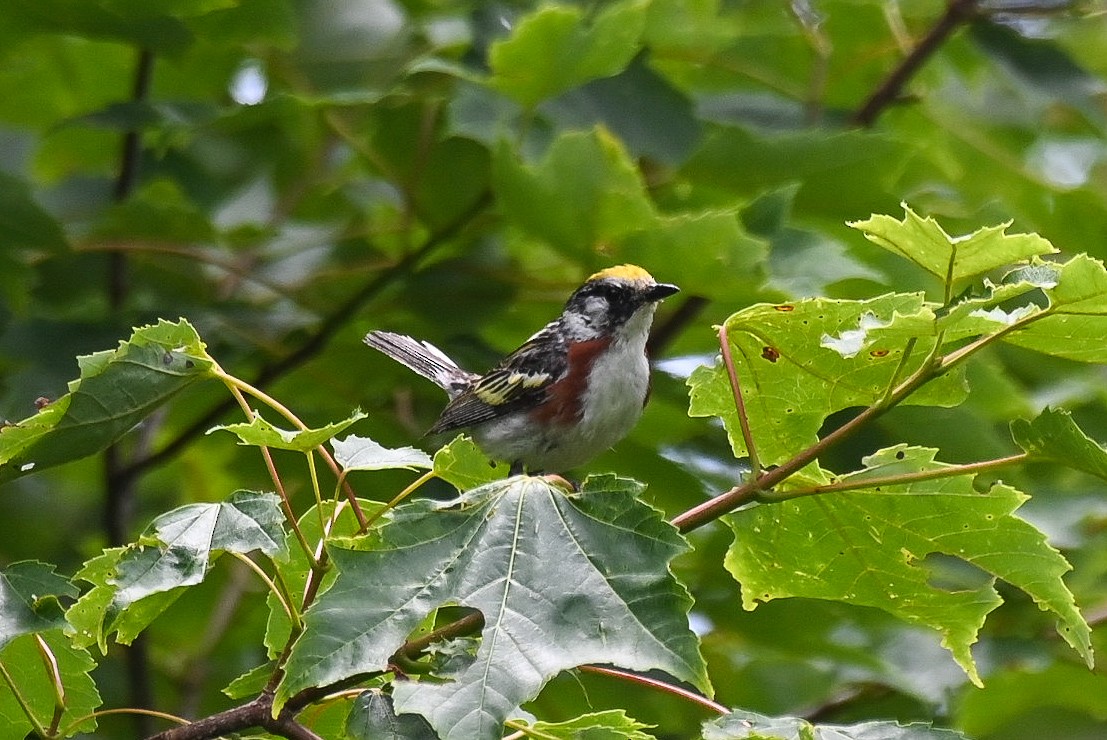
(744, 725)
(613, 724)
(23, 223)
(584, 192)
(1074, 325)
(29, 593)
(463, 465)
(1054, 436)
(362, 453)
(799, 363)
(24, 662)
(924, 242)
(561, 578)
(260, 433)
(555, 49)
(871, 546)
(373, 716)
(117, 389)
(133, 585)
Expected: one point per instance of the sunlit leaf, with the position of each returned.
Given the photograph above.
(924, 242)
(24, 662)
(260, 433)
(871, 546)
(362, 453)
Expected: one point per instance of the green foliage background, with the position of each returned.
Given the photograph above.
(289, 174)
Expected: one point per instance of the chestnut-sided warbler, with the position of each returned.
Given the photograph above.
(568, 393)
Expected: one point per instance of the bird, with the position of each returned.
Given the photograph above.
(571, 391)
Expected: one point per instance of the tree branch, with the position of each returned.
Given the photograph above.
(325, 330)
(958, 12)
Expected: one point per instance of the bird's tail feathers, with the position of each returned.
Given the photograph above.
(423, 358)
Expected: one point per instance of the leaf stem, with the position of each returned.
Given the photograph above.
(654, 683)
(51, 664)
(23, 705)
(416, 484)
(270, 584)
(72, 726)
(857, 480)
(280, 408)
(739, 403)
(233, 385)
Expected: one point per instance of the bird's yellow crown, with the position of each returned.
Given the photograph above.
(623, 272)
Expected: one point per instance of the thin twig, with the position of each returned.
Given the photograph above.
(958, 12)
(654, 683)
(857, 481)
(739, 403)
(323, 333)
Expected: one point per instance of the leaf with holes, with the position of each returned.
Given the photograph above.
(798, 363)
(562, 579)
(870, 547)
(260, 433)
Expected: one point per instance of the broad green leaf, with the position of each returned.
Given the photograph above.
(613, 724)
(556, 48)
(133, 585)
(23, 223)
(744, 725)
(924, 242)
(1074, 325)
(29, 603)
(24, 662)
(129, 21)
(799, 363)
(561, 578)
(260, 433)
(584, 192)
(462, 464)
(117, 389)
(362, 453)
(870, 547)
(1054, 436)
(373, 716)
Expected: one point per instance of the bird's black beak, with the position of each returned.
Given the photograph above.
(661, 291)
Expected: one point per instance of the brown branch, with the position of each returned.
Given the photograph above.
(958, 12)
(119, 483)
(664, 334)
(257, 713)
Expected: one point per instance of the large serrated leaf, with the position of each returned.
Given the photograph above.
(745, 725)
(562, 579)
(799, 363)
(924, 242)
(117, 389)
(870, 547)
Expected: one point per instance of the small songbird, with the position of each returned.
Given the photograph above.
(570, 392)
